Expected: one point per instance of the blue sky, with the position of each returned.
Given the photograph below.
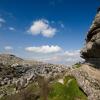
(47, 30)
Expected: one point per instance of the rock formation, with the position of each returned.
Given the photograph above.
(20, 73)
(88, 79)
(91, 51)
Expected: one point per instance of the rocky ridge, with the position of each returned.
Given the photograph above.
(91, 51)
(18, 72)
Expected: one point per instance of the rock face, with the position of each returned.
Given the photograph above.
(88, 79)
(91, 51)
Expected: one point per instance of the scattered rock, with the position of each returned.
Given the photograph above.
(20, 73)
(88, 79)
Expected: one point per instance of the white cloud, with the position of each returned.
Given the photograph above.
(11, 28)
(54, 54)
(72, 53)
(49, 32)
(2, 20)
(43, 27)
(8, 48)
(67, 58)
(44, 49)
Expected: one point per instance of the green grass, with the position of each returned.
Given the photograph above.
(67, 91)
(77, 65)
(57, 91)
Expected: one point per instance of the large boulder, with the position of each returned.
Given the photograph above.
(91, 51)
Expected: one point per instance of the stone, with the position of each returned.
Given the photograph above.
(88, 79)
(91, 51)
(20, 73)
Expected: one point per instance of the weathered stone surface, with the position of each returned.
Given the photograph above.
(91, 51)
(18, 72)
(88, 79)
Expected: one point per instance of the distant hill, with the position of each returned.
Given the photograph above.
(9, 58)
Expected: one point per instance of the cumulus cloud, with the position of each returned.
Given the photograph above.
(72, 53)
(67, 58)
(11, 28)
(43, 27)
(2, 20)
(54, 54)
(8, 48)
(44, 49)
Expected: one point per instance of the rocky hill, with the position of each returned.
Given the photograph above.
(9, 59)
(18, 72)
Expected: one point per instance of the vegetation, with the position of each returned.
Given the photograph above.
(77, 65)
(69, 90)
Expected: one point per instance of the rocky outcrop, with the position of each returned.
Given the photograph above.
(91, 51)
(88, 79)
(87, 76)
(20, 73)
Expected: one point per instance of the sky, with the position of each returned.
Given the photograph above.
(52, 31)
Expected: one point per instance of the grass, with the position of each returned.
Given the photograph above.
(77, 65)
(69, 90)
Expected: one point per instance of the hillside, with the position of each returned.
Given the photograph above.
(20, 73)
(17, 75)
